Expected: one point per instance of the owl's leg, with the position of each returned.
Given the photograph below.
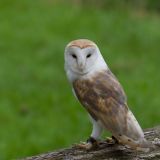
(96, 129)
(96, 132)
(92, 141)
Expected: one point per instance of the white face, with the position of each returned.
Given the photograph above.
(81, 61)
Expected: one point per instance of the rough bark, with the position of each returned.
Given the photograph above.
(105, 151)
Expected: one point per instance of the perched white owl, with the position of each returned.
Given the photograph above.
(99, 91)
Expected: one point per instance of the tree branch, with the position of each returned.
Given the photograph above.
(105, 151)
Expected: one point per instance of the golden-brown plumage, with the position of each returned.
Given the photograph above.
(100, 98)
(83, 43)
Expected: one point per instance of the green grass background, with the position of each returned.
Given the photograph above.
(38, 112)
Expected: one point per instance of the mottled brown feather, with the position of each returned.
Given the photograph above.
(105, 100)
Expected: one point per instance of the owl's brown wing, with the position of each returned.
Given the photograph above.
(105, 100)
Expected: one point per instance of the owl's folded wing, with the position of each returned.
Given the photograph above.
(105, 100)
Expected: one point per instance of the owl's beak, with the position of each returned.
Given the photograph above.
(81, 65)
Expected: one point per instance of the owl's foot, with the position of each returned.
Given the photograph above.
(90, 144)
(111, 140)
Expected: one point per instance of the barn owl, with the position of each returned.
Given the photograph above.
(101, 94)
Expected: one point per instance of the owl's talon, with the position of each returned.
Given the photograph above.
(111, 140)
(84, 145)
(90, 144)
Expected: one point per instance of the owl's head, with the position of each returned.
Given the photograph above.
(82, 57)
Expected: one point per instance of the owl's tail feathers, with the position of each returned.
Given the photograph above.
(140, 145)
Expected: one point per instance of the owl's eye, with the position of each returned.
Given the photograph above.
(74, 56)
(88, 55)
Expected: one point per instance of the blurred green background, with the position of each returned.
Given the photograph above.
(38, 112)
